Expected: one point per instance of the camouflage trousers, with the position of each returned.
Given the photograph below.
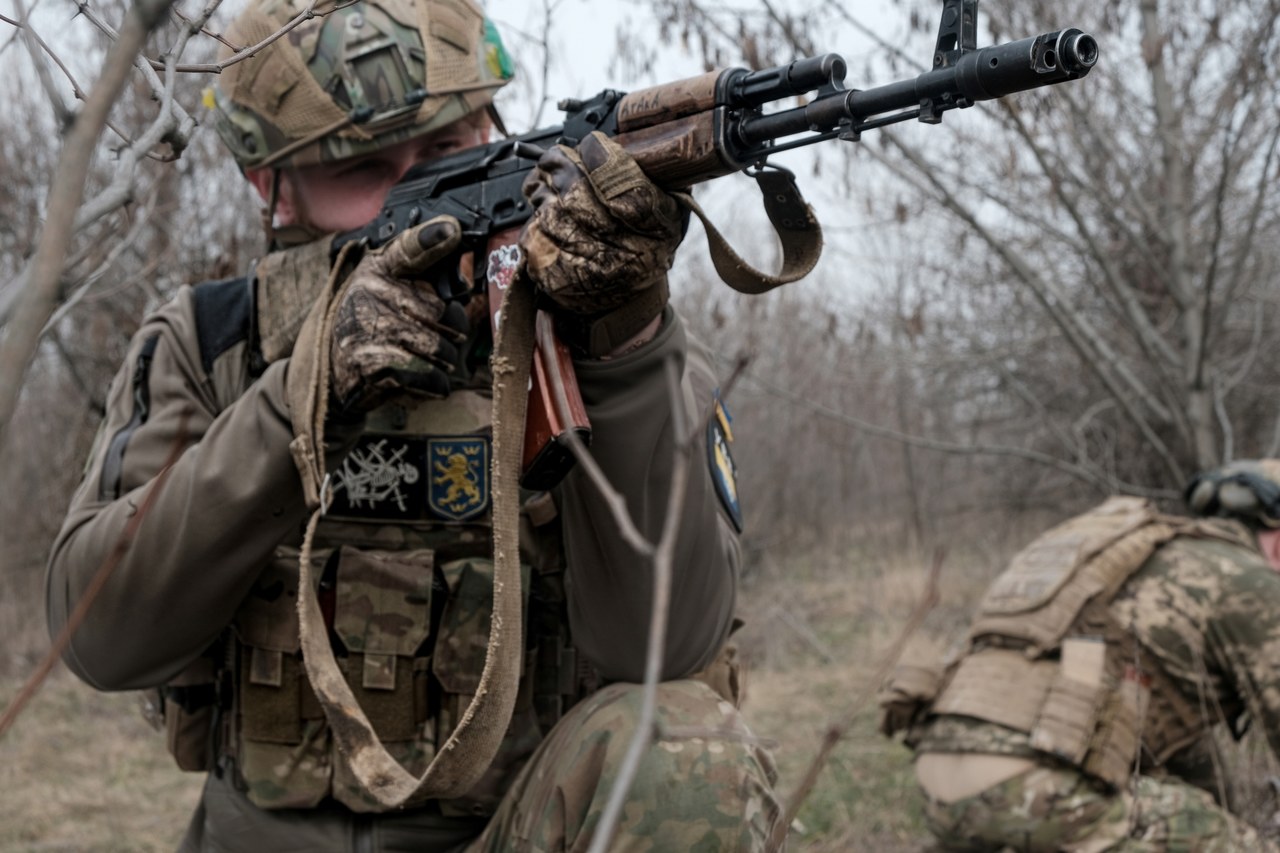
(1053, 809)
(703, 785)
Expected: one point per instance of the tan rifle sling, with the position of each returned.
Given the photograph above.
(794, 222)
(465, 757)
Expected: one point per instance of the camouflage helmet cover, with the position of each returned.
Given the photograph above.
(353, 78)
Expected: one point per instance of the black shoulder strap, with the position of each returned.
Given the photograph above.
(224, 316)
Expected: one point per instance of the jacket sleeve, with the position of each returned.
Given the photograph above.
(229, 498)
(610, 585)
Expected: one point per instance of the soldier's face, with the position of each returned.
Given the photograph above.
(346, 194)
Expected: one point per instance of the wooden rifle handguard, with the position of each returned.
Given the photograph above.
(555, 403)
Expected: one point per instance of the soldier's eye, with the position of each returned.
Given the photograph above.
(364, 169)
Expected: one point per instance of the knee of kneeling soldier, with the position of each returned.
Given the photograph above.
(703, 780)
(698, 736)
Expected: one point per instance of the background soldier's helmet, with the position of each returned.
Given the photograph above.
(1247, 490)
(353, 79)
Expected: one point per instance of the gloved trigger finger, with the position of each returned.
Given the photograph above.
(561, 167)
(417, 250)
(593, 151)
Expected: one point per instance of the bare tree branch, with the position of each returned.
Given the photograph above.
(1224, 423)
(1093, 348)
(197, 26)
(97, 403)
(18, 345)
(1247, 245)
(117, 249)
(34, 44)
(1079, 472)
(1274, 448)
(1153, 344)
(662, 557)
(659, 612)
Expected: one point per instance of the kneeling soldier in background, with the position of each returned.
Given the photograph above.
(1077, 715)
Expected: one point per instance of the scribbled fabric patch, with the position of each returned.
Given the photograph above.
(397, 478)
(724, 472)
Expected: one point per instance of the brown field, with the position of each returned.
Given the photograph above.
(82, 770)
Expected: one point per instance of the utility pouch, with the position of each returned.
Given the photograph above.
(726, 674)
(185, 708)
(460, 647)
(1069, 714)
(382, 618)
(1001, 686)
(282, 746)
(1116, 743)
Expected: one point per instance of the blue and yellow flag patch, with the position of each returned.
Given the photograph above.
(724, 472)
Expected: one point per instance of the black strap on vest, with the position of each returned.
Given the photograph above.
(224, 317)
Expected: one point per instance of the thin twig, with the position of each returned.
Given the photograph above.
(34, 44)
(642, 738)
(64, 113)
(1202, 678)
(804, 632)
(617, 503)
(239, 56)
(196, 26)
(24, 28)
(1078, 471)
(645, 731)
(18, 346)
(82, 292)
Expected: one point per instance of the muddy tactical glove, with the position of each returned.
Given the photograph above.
(600, 242)
(1247, 490)
(393, 334)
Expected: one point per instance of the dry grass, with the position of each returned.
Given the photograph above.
(81, 770)
(816, 633)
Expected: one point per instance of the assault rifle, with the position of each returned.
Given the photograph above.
(687, 132)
